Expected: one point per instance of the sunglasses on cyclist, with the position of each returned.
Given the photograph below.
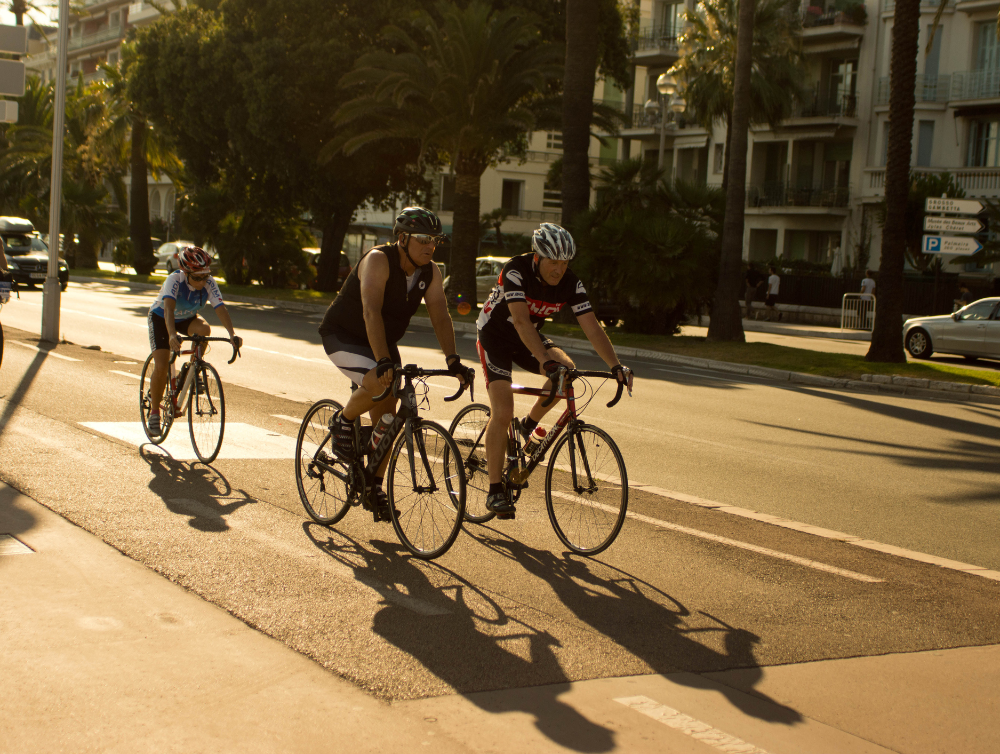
(199, 278)
(427, 240)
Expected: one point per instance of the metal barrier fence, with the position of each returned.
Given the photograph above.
(857, 311)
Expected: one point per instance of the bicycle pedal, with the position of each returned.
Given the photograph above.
(506, 516)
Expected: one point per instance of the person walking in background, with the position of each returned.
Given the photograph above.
(754, 280)
(773, 284)
(867, 306)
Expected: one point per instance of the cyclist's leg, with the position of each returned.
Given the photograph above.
(160, 346)
(538, 411)
(497, 360)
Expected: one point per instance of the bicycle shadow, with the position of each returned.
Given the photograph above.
(469, 642)
(194, 489)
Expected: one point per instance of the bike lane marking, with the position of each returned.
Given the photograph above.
(689, 726)
(814, 564)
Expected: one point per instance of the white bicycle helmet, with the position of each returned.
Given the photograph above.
(553, 242)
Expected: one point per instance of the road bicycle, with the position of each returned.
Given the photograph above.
(197, 389)
(586, 483)
(425, 485)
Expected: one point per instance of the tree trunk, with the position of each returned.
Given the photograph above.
(144, 261)
(726, 321)
(887, 334)
(578, 105)
(465, 231)
(334, 230)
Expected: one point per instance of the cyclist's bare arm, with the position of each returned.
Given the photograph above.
(437, 309)
(225, 319)
(520, 315)
(374, 274)
(168, 318)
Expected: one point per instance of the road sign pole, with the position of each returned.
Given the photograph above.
(50, 304)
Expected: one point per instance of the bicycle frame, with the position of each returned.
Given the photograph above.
(520, 474)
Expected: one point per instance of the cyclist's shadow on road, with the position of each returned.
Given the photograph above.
(194, 490)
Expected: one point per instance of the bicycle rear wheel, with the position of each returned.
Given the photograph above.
(207, 413)
(426, 489)
(468, 429)
(146, 404)
(586, 490)
(319, 474)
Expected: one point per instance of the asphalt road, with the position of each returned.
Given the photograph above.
(685, 587)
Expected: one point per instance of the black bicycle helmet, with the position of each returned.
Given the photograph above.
(417, 220)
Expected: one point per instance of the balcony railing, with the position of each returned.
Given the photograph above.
(974, 181)
(654, 37)
(927, 89)
(114, 32)
(975, 85)
(813, 20)
(845, 105)
(780, 194)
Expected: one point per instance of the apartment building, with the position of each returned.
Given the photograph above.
(96, 33)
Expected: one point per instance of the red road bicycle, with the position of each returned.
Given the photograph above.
(586, 483)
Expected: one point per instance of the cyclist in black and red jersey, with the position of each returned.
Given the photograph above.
(370, 315)
(531, 287)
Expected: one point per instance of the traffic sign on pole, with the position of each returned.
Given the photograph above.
(8, 111)
(12, 77)
(14, 39)
(954, 206)
(959, 245)
(952, 224)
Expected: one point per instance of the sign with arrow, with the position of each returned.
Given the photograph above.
(953, 224)
(959, 245)
(954, 206)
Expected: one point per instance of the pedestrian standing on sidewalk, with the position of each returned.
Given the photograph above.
(773, 283)
(754, 280)
(867, 299)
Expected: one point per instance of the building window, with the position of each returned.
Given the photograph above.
(552, 197)
(720, 158)
(984, 136)
(843, 79)
(511, 196)
(925, 143)
(115, 19)
(553, 140)
(885, 144)
(113, 58)
(447, 203)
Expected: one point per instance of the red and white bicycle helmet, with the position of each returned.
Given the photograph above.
(194, 260)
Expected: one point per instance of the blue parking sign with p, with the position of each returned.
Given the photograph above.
(932, 244)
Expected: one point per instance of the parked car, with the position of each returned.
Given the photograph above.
(28, 255)
(972, 331)
(487, 275)
(166, 256)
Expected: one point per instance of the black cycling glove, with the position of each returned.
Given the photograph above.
(551, 369)
(383, 366)
(457, 368)
(619, 372)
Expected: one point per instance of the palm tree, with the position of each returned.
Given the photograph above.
(121, 142)
(578, 97)
(467, 87)
(887, 333)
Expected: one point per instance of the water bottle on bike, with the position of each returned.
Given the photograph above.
(380, 429)
(537, 435)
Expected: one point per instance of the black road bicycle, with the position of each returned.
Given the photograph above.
(424, 481)
(586, 483)
(196, 388)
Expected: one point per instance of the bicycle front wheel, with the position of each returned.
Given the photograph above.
(468, 429)
(207, 413)
(146, 404)
(586, 490)
(426, 489)
(319, 473)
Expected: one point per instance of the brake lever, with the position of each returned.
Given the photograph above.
(556, 387)
(392, 385)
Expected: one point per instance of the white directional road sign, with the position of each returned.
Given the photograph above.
(950, 245)
(14, 39)
(8, 111)
(953, 224)
(955, 206)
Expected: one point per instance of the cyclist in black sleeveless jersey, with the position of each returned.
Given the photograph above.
(371, 313)
(531, 287)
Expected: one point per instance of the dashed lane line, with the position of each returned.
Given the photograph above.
(814, 564)
(687, 725)
(47, 353)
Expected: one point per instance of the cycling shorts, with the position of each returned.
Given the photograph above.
(355, 361)
(159, 340)
(499, 355)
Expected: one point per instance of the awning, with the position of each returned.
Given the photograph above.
(691, 142)
(847, 45)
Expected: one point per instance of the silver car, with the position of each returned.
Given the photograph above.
(488, 271)
(972, 331)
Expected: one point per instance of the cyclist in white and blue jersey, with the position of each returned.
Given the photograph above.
(175, 310)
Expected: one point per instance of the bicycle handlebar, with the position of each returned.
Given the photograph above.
(572, 374)
(196, 339)
(412, 370)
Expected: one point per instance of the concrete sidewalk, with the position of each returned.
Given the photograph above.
(103, 654)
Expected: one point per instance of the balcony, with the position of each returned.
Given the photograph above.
(657, 45)
(928, 89)
(801, 198)
(974, 181)
(829, 107)
(833, 26)
(141, 12)
(969, 85)
(104, 36)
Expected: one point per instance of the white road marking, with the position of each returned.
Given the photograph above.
(126, 374)
(10, 545)
(818, 531)
(241, 441)
(47, 353)
(687, 725)
(285, 355)
(816, 565)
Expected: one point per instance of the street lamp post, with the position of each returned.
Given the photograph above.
(666, 85)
